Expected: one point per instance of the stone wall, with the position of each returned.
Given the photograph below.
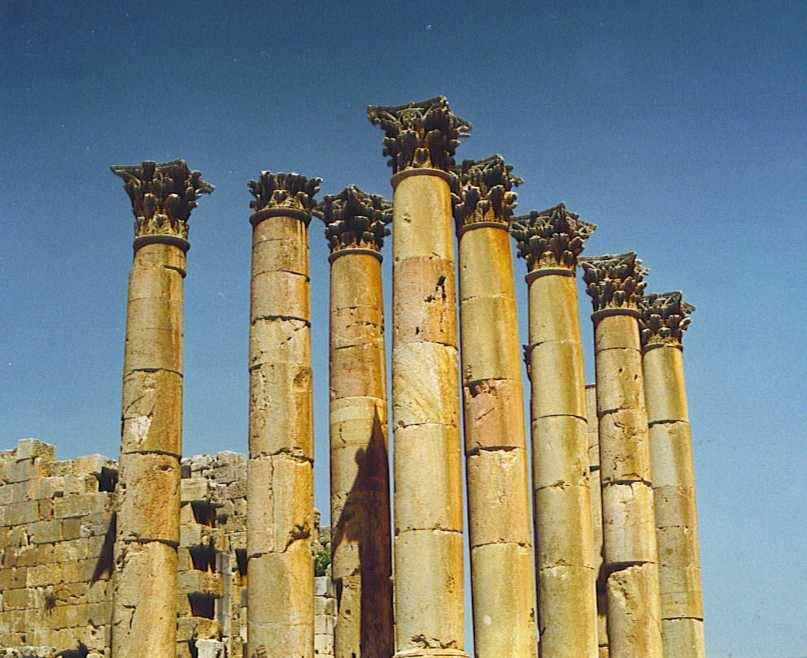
(56, 557)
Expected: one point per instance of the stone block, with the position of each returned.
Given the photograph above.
(634, 615)
(152, 412)
(494, 415)
(30, 448)
(285, 485)
(281, 410)
(424, 384)
(560, 446)
(149, 498)
(567, 601)
(563, 526)
(504, 599)
(491, 349)
(629, 528)
(428, 453)
(424, 301)
(498, 498)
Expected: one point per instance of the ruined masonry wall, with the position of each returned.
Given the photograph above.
(56, 557)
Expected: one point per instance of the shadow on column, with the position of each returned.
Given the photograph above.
(365, 520)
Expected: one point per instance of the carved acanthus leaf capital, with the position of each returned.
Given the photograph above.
(286, 191)
(162, 195)
(552, 238)
(355, 219)
(421, 134)
(483, 192)
(664, 318)
(614, 281)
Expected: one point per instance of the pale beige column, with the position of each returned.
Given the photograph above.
(500, 528)
(429, 594)
(615, 284)
(596, 517)
(664, 319)
(145, 598)
(550, 241)
(355, 227)
(280, 484)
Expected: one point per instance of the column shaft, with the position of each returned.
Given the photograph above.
(595, 485)
(429, 588)
(281, 451)
(503, 583)
(634, 624)
(674, 488)
(360, 505)
(145, 608)
(563, 519)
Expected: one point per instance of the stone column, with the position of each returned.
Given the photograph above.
(502, 578)
(355, 227)
(421, 139)
(280, 473)
(634, 626)
(596, 517)
(664, 319)
(145, 599)
(550, 241)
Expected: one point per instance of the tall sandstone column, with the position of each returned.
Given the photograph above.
(355, 227)
(595, 486)
(421, 139)
(145, 599)
(634, 625)
(502, 579)
(664, 319)
(280, 474)
(550, 241)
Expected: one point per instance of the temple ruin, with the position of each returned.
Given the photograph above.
(582, 532)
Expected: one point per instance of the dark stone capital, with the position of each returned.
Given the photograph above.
(279, 193)
(483, 192)
(163, 195)
(354, 219)
(664, 318)
(551, 239)
(421, 134)
(614, 282)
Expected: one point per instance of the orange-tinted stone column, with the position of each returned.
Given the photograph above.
(280, 474)
(664, 319)
(615, 284)
(145, 598)
(550, 241)
(420, 140)
(355, 227)
(500, 528)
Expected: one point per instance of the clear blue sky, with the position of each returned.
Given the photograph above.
(680, 129)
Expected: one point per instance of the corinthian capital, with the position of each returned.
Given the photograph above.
(421, 134)
(278, 193)
(664, 318)
(162, 195)
(551, 239)
(354, 219)
(614, 282)
(484, 191)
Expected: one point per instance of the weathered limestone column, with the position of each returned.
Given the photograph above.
(502, 578)
(421, 139)
(596, 516)
(664, 319)
(634, 618)
(145, 599)
(355, 227)
(550, 241)
(280, 475)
